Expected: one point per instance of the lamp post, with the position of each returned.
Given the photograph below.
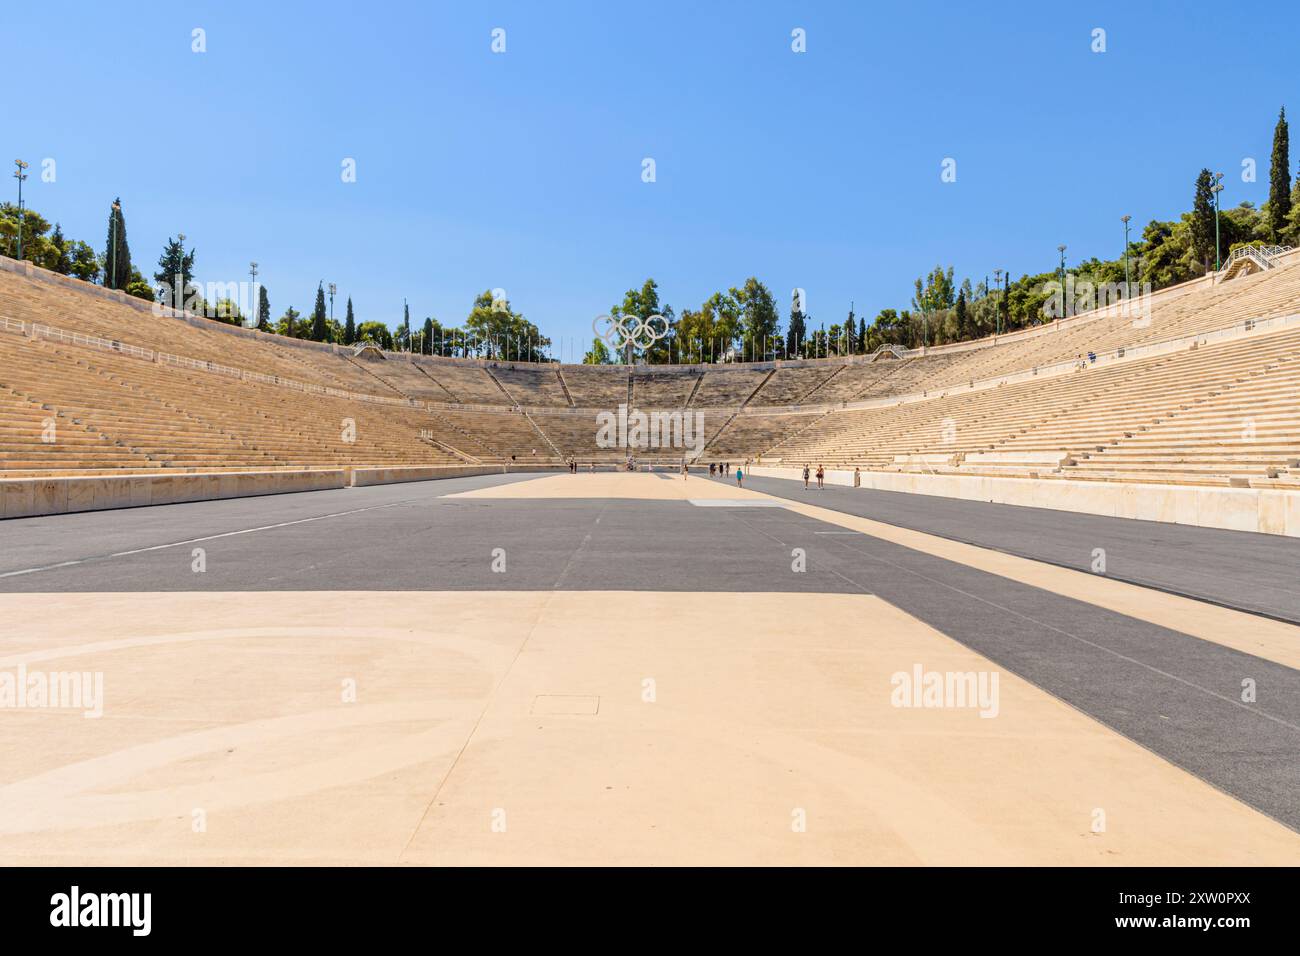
(20, 175)
(1216, 189)
(1128, 290)
(333, 289)
(180, 274)
(256, 300)
(1061, 250)
(997, 306)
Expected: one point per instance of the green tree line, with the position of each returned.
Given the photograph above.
(741, 323)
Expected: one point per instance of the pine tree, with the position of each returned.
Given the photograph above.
(319, 330)
(117, 254)
(1279, 180)
(174, 262)
(350, 327)
(1202, 224)
(263, 309)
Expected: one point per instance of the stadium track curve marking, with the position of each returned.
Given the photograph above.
(1209, 774)
(900, 522)
(1261, 636)
(1251, 709)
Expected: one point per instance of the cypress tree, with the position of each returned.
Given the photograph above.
(117, 254)
(319, 330)
(426, 340)
(1203, 219)
(962, 317)
(1294, 227)
(350, 327)
(1000, 307)
(263, 309)
(862, 335)
(797, 334)
(1279, 180)
(1006, 302)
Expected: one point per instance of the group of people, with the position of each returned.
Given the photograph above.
(723, 468)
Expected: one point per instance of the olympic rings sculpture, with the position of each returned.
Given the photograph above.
(623, 330)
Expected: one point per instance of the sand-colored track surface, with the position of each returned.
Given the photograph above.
(660, 486)
(572, 727)
(606, 727)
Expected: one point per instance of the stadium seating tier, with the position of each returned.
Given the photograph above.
(1215, 409)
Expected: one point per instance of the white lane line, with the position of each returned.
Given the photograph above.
(265, 527)
(48, 567)
(211, 537)
(736, 502)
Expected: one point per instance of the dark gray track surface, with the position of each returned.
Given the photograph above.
(1177, 695)
(1174, 694)
(1259, 573)
(408, 538)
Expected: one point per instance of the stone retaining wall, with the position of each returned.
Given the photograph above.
(1236, 509)
(28, 497)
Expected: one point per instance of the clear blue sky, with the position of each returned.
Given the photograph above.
(522, 170)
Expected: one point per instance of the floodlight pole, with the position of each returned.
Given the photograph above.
(1216, 189)
(20, 175)
(997, 305)
(180, 275)
(1127, 281)
(255, 299)
(1064, 307)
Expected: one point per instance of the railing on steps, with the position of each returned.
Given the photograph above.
(1262, 256)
